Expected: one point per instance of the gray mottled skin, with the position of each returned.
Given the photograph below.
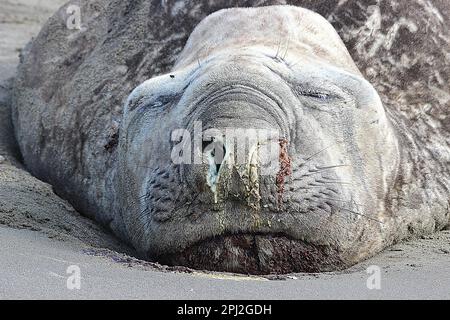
(363, 175)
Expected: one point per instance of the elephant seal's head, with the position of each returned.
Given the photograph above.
(217, 201)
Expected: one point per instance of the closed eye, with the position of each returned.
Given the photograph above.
(316, 94)
(306, 90)
(156, 104)
(159, 103)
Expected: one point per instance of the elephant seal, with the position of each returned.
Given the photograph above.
(336, 196)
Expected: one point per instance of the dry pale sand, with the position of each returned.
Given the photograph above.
(41, 235)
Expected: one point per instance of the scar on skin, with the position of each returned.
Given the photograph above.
(285, 168)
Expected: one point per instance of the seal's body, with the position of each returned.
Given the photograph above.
(284, 70)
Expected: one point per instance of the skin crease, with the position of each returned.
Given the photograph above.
(343, 148)
(355, 175)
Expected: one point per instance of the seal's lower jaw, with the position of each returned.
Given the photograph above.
(256, 254)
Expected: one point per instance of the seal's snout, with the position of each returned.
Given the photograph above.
(234, 164)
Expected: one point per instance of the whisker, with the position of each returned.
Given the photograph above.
(320, 170)
(360, 214)
(335, 182)
(293, 64)
(145, 211)
(332, 166)
(351, 211)
(328, 219)
(278, 49)
(317, 153)
(287, 47)
(312, 174)
(143, 197)
(340, 200)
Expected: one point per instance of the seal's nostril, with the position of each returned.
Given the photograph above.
(215, 151)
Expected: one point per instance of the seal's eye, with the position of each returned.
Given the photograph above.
(157, 104)
(160, 102)
(315, 94)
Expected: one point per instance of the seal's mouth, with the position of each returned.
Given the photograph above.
(256, 254)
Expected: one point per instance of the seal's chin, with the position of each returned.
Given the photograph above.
(256, 254)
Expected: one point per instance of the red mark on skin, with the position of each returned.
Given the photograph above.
(285, 169)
